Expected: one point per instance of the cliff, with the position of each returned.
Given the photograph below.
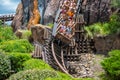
(35, 18)
(17, 21)
(33, 12)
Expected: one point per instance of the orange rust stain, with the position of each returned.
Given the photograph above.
(35, 19)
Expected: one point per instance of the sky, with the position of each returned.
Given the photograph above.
(8, 6)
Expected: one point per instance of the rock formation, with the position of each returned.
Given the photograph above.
(17, 21)
(105, 44)
(37, 30)
(35, 18)
(50, 12)
(93, 11)
(27, 14)
(42, 4)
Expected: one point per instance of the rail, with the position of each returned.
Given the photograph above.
(6, 17)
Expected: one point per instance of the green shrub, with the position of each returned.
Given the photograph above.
(5, 66)
(36, 63)
(112, 65)
(22, 46)
(23, 34)
(17, 60)
(34, 74)
(103, 29)
(1, 22)
(115, 3)
(114, 24)
(69, 78)
(6, 33)
(50, 25)
(97, 29)
(63, 76)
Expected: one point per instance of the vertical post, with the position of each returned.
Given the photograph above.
(3, 21)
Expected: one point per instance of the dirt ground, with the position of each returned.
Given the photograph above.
(97, 68)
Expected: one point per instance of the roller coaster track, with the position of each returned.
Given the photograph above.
(6, 17)
(57, 61)
(66, 57)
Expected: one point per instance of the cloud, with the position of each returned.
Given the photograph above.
(9, 5)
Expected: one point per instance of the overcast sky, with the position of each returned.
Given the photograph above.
(8, 6)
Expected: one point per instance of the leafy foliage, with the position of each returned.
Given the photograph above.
(115, 3)
(114, 24)
(25, 33)
(21, 45)
(17, 60)
(5, 66)
(34, 74)
(50, 25)
(69, 79)
(1, 22)
(112, 65)
(103, 29)
(6, 34)
(36, 63)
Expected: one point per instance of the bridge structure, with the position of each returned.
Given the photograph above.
(7, 17)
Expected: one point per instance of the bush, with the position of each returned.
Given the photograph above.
(115, 3)
(36, 63)
(34, 74)
(69, 79)
(22, 46)
(1, 22)
(26, 34)
(6, 33)
(17, 60)
(112, 65)
(114, 24)
(23, 34)
(104, 29)
(63, 76)
(50, 25)
(98, 29)
(5, 66)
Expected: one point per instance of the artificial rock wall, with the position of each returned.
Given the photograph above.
(44, 11)
(105, 44)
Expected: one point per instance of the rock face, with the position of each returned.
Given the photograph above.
(50, 12)
(37, 30)
(106, 44)
(27, 11)
(42, 4)
(17, 21)
(35, 18)
(27, 14)
(93, 11)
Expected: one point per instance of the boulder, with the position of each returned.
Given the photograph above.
(40, 33)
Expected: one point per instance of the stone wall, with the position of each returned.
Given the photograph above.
(105, 44)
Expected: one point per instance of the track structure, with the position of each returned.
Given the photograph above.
(71, 55)
(68, 57)
(7, 17)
